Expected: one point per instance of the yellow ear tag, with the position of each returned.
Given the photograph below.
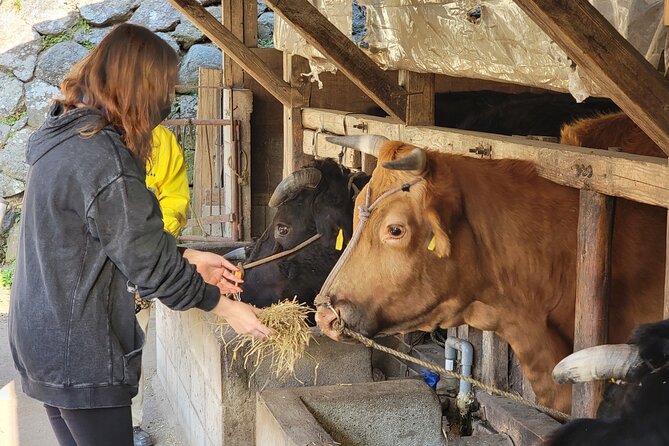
(433, 244)
(339, 243)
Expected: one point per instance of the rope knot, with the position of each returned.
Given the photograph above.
(364, 213)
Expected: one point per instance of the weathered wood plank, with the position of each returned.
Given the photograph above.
(420, 102)
(525, 426)
(232, 17)
(234, 48)
(314, 143)
(593, 275)
(639, 178)
(495, 361)
(209, 107)
(343, 53)
(622, 72)
(293, 155)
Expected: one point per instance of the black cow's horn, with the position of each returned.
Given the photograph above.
(309, 177)
(598, 363)
(414, 161)
(369, 144)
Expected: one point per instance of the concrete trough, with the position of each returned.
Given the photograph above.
(214, 397)
(390, 413)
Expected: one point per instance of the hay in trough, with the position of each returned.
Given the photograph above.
(291, 335)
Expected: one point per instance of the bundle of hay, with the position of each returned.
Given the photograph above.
(291, 335)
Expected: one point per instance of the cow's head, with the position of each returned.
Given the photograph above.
(389, 282)
(315, 199)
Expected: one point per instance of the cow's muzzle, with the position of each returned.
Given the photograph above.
(328, 318)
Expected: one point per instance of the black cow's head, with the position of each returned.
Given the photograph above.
(315, 199)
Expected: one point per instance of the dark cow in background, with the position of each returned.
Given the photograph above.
(315, 199)
(639, 414)
(541, 114)
(491, 244)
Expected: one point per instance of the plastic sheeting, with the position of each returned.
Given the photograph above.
(490, 39)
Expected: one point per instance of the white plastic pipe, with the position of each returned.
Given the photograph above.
(452, 346)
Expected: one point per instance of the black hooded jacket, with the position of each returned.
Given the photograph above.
(90, 231)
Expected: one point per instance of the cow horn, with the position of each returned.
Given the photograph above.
(309, 177)
(598, 363)
(414, 161)
(369, 144)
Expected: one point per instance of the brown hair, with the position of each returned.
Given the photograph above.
(129, 76)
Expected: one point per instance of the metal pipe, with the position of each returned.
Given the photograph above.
(452, 346)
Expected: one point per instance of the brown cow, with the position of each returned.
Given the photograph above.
(504, 258)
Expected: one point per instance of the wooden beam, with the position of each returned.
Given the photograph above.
(293, 155)
(232, 17)
(314, 144)
(206, 148)
(640, 178)
(343, 53)
(610, 60)
(495, 361)
(420, 102)
(525, 426)
(234, 48)
(593, 276)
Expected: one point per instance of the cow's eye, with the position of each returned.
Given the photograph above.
(282, 230)
(395, 231)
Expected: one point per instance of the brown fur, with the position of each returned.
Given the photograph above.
(505, 258)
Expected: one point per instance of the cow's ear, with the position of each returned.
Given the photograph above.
(441, 245)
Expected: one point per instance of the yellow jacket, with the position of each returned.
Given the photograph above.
(166, 178)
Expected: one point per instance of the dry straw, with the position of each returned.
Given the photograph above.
(291, 335)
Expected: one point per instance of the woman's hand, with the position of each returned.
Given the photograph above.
(215, 270)
(241, 317)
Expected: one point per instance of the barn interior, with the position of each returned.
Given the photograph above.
(421, 68)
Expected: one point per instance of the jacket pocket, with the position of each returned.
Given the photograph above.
(132, 362)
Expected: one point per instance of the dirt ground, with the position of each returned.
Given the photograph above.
(23, 421)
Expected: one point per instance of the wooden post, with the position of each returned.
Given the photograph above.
(206, 182)
(495, 361)
(420, 101)
(293, 154)
(595, 229)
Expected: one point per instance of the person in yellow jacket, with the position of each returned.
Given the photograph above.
(166, 178)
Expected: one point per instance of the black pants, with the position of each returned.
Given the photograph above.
(91, 427)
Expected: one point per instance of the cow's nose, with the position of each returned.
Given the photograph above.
(328, 321)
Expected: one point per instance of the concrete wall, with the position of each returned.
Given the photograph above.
(214, 397)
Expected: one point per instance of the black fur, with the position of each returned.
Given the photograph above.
(324, 210)
(638, 412)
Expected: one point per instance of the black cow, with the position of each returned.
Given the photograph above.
(637, 412)
(316, 199)
(511, 113)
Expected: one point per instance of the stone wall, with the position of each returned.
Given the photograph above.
(41, 40)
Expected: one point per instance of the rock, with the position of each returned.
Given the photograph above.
(103, 13)
(262, 7)
(266, 26)
(22, 122)
(206, 56)
(13, 156)
(12, 244)
(54, 63)
(19, 43)
(156, 15)
(187, 105)
(4, 133)
(49, 17)
(187, 34)
(171, 41)
(8, 219)
(10, 186)
(39, 95)
(93, 36)
(11, 93)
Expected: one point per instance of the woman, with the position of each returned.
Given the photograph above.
(92, 234)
